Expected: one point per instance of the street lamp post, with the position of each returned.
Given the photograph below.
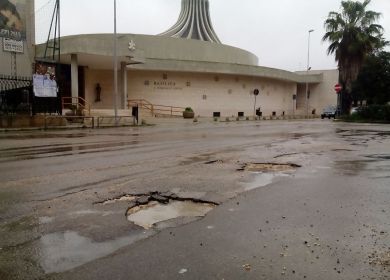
(115, 97)
(255, 93)
(307, 73)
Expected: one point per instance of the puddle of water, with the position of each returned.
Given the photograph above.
(265, 173)
(148, 215)
(45, 220)
(260, 180)
(25, 153)
(26, 136)
(67, 250)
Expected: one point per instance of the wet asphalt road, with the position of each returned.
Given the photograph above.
(330, 219)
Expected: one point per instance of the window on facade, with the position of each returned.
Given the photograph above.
(204, 97)
(165, 76)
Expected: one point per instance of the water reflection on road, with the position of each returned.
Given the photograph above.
(66, 250)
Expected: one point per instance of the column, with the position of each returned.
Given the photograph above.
(74, 76)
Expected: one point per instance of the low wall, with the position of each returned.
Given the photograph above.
(28, 121)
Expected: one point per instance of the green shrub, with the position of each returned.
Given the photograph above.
(188, 109)
(379, 113)
(376, 112)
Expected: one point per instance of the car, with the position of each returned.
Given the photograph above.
(355, 110)
(329, 112)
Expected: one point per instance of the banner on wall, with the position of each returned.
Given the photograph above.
(44, 80)
(10, 45)
(13, 19)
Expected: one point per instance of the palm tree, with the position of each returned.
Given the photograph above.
(353, 34)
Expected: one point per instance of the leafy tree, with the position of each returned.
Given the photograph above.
(353, 34)
(373, 82)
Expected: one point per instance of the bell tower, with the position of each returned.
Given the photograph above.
(194, 22)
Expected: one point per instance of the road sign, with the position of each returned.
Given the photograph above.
(338, 88)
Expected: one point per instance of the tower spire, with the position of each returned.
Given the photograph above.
(194, 22)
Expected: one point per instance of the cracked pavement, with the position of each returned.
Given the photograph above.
(328, 219)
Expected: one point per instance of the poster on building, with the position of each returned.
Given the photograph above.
(44, 80)
(13, 19)
(10, 45)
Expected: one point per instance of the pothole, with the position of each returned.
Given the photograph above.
(149, 209)
(263, 174)
(269, 167)
(154, 212)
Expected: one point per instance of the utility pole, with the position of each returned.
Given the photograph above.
(115, 97)
(307, 73)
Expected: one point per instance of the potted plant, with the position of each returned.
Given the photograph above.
(73, 113)
(188, 113)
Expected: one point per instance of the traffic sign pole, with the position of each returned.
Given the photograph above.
(338, 89)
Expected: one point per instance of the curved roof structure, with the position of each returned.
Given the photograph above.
(194, 22)
(169, 54)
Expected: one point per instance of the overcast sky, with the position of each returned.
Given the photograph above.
(274, 30)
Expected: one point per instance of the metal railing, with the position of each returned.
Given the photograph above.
(79, 102)
(14, 82)
(155, 109)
